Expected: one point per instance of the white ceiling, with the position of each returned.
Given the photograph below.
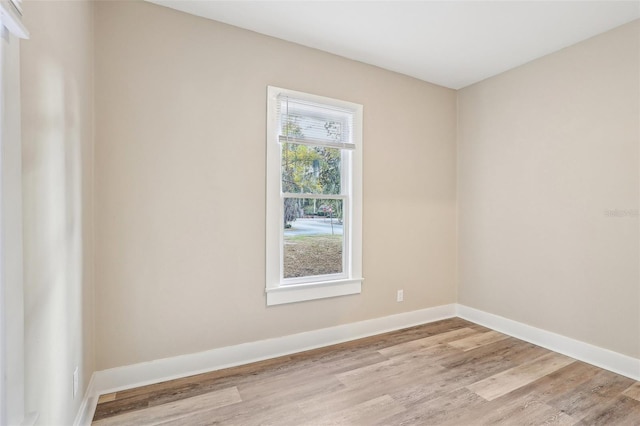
(450, 43)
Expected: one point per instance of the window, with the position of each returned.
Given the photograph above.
(314, 197)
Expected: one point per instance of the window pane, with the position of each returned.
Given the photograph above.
(310, 169)
(313, 237)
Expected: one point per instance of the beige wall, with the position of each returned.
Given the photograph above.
(57, 133)
(180, 185)
(544, 151)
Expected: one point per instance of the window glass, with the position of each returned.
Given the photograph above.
(313, 237)
(310, 169)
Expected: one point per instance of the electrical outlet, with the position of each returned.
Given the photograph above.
(400, 296)
(75, 382)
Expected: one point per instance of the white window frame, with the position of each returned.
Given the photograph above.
(278, 289)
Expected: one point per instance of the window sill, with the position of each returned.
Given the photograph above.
(312, 291)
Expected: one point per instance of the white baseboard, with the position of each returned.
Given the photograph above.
(130, 376)
(603, 358)
(88, 406)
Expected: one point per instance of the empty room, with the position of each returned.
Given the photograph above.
(319, 212)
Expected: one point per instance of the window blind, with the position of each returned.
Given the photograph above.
(310, 123)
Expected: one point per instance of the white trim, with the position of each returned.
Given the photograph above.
(600, 357)
(12, 368)
(11, 19)
(88, 406)
(131, 376)
(17, 5)
(312, 291)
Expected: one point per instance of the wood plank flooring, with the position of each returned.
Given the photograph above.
(450, 372)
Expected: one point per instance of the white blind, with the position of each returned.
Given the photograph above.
(310, 123)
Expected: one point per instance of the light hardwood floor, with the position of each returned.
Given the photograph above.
(449, 372)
